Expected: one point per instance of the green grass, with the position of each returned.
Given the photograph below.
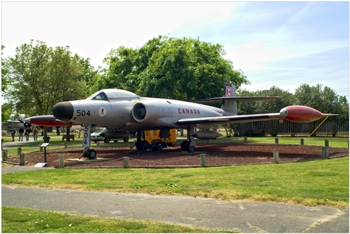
(319, 182)
(19, 220)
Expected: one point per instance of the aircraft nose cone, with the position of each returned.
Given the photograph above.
(63, 111)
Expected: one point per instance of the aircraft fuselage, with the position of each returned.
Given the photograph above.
(137, 114)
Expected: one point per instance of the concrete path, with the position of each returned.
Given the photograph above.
(241, 216)
(14, 169)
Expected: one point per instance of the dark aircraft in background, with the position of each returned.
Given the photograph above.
(123, 111)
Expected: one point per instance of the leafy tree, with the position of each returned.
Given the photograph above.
(39, 76)
(4, 71)
(325, 100)
(342, 108)
(6, 111)
(268, 106)
(6, 108)
(165, 67)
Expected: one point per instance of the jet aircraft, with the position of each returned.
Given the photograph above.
(124, 111)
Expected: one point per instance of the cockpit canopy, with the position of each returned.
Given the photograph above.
(112, 94)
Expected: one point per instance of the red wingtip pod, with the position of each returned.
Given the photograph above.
(46, 120)
(300, 114)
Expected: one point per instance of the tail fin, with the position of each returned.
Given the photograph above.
(229, 105)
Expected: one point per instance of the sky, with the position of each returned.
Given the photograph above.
(282, 44)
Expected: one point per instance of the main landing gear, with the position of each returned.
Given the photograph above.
(87, 152)
(188, 145)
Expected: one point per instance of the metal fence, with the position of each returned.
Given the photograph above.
(288, 128)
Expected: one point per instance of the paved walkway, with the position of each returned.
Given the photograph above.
(241, 216)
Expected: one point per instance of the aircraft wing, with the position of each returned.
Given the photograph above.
(240, 99)
(230, 119)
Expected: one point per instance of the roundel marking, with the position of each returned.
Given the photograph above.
(102, 111)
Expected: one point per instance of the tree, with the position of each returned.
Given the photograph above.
(268, 106)
(184, 69)
(39, 76)
(5, 107)
(325, 100)
(342, 108)
(4, 71)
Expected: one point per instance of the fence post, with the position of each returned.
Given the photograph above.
(276, 140)
(126, 162)
(60, 161)
(326, 142)
(302, 141)
(4, 155)
(21, 159)
(325, 152)
(245, 139)
(66, 144)
(19, 151)
(202, 160)
(276, 157)
(98, 143)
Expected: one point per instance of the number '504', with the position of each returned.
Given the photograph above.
(83, 113)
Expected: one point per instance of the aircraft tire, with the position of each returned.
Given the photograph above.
(141, 145)
(159, 147)
(106, 140)
(126, 139)
(115, 141)
(91, 154)
(185, 145)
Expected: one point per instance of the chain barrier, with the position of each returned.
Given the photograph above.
(175, 160)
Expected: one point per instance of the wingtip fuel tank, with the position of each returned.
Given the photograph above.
(302, 114)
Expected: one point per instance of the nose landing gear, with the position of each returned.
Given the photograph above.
(87, 152)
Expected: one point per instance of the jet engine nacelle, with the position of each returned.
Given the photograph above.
(139, 112)
(151, 112)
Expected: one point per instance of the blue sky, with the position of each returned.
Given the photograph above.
(274, 43)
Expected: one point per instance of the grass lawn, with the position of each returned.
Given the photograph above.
(21, 220)
(319, 182)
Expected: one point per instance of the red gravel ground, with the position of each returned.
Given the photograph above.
(217, 154)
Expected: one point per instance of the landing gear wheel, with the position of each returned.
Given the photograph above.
(185, 146)
(141, 145)
(106, 140)
(159, 147)
(126, 139)
(91, 154)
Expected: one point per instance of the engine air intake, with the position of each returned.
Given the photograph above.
(139, 112)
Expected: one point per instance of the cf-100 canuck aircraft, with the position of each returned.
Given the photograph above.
(122, 110)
